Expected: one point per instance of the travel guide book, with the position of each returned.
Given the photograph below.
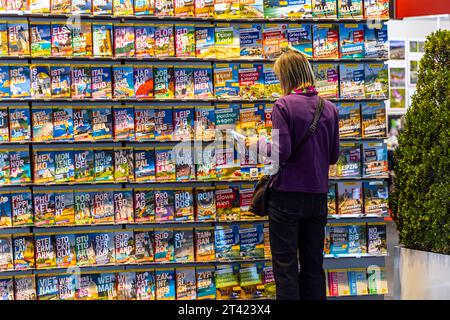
(373, 119)
(327, 79)
(349, 119)
(144, 123)
(326, 41)
(376, 81)
(324, 9)
(375, 198)
(61, 40)
(376, 44)
(350, 9)
(350, 198)
(351, 41)
(41, 39)
(352, 81)
(250, 36)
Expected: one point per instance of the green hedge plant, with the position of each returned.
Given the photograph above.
(421, 197)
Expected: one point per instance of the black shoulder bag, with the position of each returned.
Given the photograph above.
(264, 185)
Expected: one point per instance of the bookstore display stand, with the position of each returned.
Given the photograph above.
(355, 244)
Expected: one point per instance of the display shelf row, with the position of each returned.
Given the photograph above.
(221, 41)
(356, 282)
(114, 9)
(234, 81)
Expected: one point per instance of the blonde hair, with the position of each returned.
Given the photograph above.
(293, 71)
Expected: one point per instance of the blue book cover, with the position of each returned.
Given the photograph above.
(19, 124)
(123, 123)
(44, 166)
(226, 80)
(351, 40)
(42, 124)
(103, 243)
(144, 164)
(63, 124)
(61, 81)
(184, 82)
(84, 165)
(184, 205)
(104, 165)
(204, 42)
(4, 124)
(47, 288)
(349, 119)
(227, 242)
(123, 87)
(337, 239)
(143, 82)
(352, 282)
(349, 163)
(352, 80)
(375, 160)
(20, 81)
(376, 196)
(22, 208)
(106, 286)
(165, 284)
(163, 123)
(227, 116)
(81, 82)
(251, 240)
(144, 123)
(101, 82)
(4, 167)
(4, 81)
(183, 240)
(20, 169)
(164, 82)
(184, 163)
(206, 285)
(357, 242)
(164, 247)
(300, 38)
(40, 82)
(82, 124)
(186, 284)
(5, 208)
(102, 123)
(183, 119)
(67, 287)
(203, 82)
(164, 205)
(376, 42)
(250, 36)
(64, 208)
(64, 166)
(145, 285)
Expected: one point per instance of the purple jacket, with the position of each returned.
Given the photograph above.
(307, 169)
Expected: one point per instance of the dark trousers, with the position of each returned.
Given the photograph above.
(297, 225)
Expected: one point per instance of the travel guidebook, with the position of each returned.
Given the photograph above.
(376, 9)
(40, 82)
(251, 8)
(60, 81)
(373, 119)
(227, 242)
(61, 40)
(84, 165)
(184, 164)
(326, 41)
(203, 82)
(101, 82)
(165, 164)
(331, 198)
(104, 164)
(349, 119)
(124, 245)
(64, 166)
(4, 124)
(63, 124)
(82, 40)
(227, 203)
(143, 81)
(25, 287)
(145, 285)
(45, 251)
(205, 123)
(124, 40)
(336, 239)
(350, 198)
(144, 205)
(205, 203)
(352, 81)
(5, 209)
(19, 164)
(60, 6)
(144, 164)
(102, 7)
(144, 36)
(123, 82)
(184, 82)
(165, 284)
(300, 38)
(274, 40)
(64, 208)
(324, 9)
(183, 244)
(375, 159)
(81, 82)
(227, 282)
(184, 205)
(44, 208)
(349, 163)
(4, 81)
(164, 82)
(226, 41)
(204, 244)
(102, 123)
(375, 197)
(376, 238)
(44, 166)
(251, 81)
(185, 40)
(205, 41)
(376, 81)
(226, 80)
(163, 123)
(164, 246)
(144, 123)
(41, 40)
(327, 79)
(251, 241)
(123, 164)
(226, 9)
(47, 288)
(18, 38)
(350, 9)
(102, 34)
(81, 6)
(6, 254)
(19, 81)
(250, 36)
(186, 284)
(84, 250)
(376, 42)
(351, 41)
(143, 242)
(23, 248)
(19, 124)
(164, 41)
(251, 280)
(164, 205)
(123, 206)
(123, 7)
(123, 123)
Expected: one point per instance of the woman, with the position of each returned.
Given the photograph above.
(298, 201)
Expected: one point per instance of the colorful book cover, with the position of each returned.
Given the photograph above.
(350, 198)
(143, 82)
(82, 40)
(203, 82)
(184, 163)
(299, 9)
(124, 40)
(103, 247)
(373, 119)
(65, 250)
(165, 165)
(4, 124)
(144, 123)
(106, 286)
(82, 124)
(336, 239)
(39, 6)
(251, 8)
(23, 245)
(83, 204)
(349, 119)
(6, 288)
(227, 203)
(6, 255)
(25, 287)
(205, 199)
(184, 8)
(164, 205)
(19, 164)
(274, 40)
(102, 123)
(299, 37)
(81, 82)
(19, 124)
(184, 205)
(144, 205)
(41, 40)
(357, 279)
(204, 123)
(5, 91)
(18, 38)
(87, 287)
(349, 163)
(5, 209)
(123, 84)
(164, 80)
(376, 197)
(351, 37)
(61, 40)
(376, 9)
(64, 166)
(350, 9)
(123, 206)
(186, 284)
(102, 210)
(376, 85)
(250, 36)
(44, 208)
(84, 165)
(84, 250)
(60, 80)
(123, 123)
(45, 251)
(326, 41)
(376, 238)
(104, 165)
(102, 7)
(165, 284)
(227, 282)
(44, 166)
(206, 285)
(185, 39)
(226, 80)
(3, 38)
(5, 172)
(47, 288)
(251, 281)
(126, 286)
(164, 8)
(163, 123)
(246, 192)
(102, 34)
(184, 82)
(331, 199)
(123, 7)
(226, 9)
(20, 81)
(251, 241)
(60, 6)
(42, 119)
(205, 40)
(143, 242)
(164, 41)
(352, 80)
(357, 243)
(272, 88)
(227, 242)
(205, 163)
(145, 285)
(63, 124)
(375, 159)
(67, 287)
(339, 284)
(324, 9)
(204, 244)
(81, 6)
(144, 164)
(124, 244)
(227, 41)
(183, 118)
(123, 164)
(376, 42)
(64, 208)
(144, 7)
(144, 35)
(164, 249)
(251, 81)
(269, 281)
(183, 244)
(376, 280)
(228, 168)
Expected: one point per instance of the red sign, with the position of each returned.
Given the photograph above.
(417, 8)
